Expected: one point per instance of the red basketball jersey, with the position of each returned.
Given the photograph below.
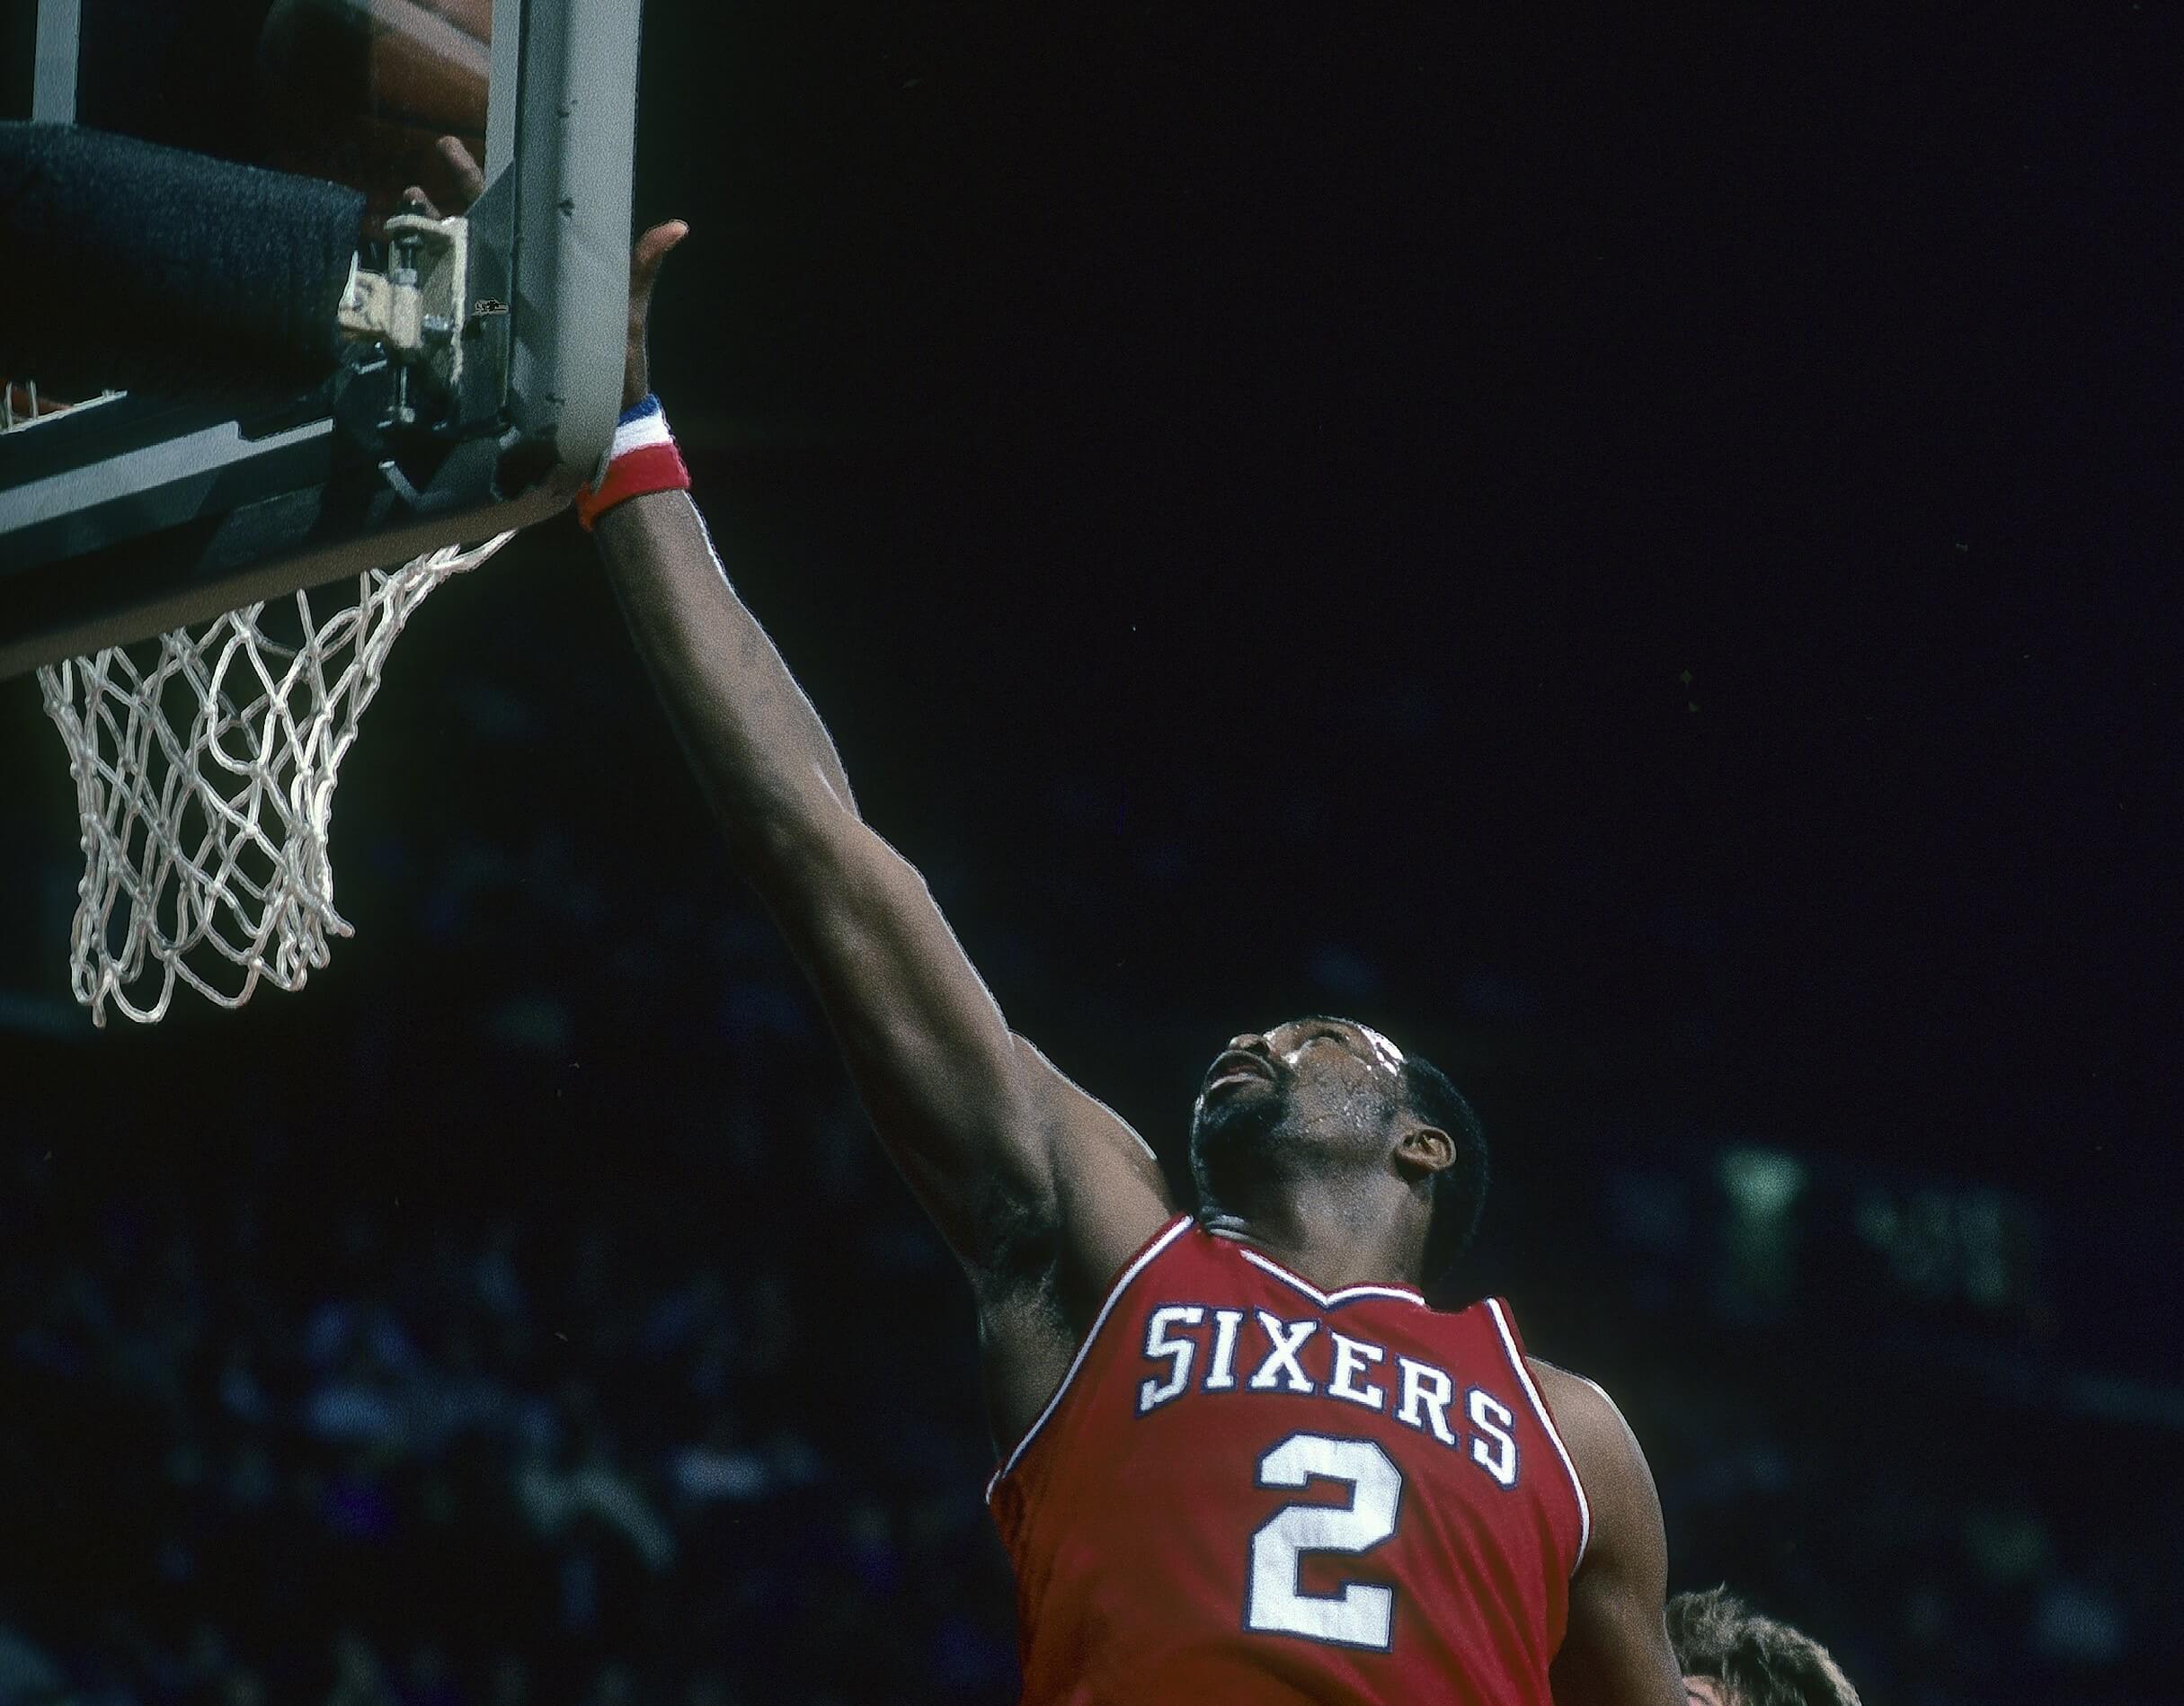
(1247, 1489)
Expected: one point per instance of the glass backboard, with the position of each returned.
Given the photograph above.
(128, 508)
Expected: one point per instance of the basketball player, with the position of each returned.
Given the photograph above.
(1731, 1656)
(1241, 1460)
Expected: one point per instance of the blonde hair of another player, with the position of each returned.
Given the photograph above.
(1756, 1660)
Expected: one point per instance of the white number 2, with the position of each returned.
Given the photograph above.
(1360, 1615)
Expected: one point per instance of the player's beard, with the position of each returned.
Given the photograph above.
(1234, 1137)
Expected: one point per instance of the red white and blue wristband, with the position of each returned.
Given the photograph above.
(642, 458)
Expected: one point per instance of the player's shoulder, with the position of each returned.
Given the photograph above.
(1610, 1463)
(1581, 1406)
(1558, 1382)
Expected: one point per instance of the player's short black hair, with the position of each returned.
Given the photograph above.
(1459, 1188)
(1757, 1661)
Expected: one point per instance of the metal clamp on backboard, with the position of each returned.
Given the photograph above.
(416, 309)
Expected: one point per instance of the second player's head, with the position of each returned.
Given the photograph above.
(1731, 1656)
(1335, 1102)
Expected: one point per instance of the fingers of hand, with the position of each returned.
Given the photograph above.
(462, 168)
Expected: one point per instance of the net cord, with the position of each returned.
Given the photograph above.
(205, 765)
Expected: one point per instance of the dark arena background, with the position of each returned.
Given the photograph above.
(1634, 556)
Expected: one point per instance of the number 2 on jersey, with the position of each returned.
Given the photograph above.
(1360, 1615)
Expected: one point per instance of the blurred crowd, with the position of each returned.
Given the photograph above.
(394, 1455)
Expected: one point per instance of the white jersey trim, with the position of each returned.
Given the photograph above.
(1114, 1296)
(1327, 1299)
(1554, 1438)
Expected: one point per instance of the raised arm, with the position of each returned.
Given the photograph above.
(1615, 1650)
(1033, 1183)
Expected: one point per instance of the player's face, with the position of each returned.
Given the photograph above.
(1704, 1691)
(1315, 1077)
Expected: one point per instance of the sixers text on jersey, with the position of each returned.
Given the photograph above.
(1344, 1368)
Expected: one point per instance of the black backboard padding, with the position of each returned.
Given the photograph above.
(159, 267)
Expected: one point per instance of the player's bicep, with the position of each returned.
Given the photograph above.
(933, 1060)
(1615, 1650)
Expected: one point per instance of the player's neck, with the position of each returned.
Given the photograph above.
(1328, 1237)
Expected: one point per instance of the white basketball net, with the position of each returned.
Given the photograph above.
(205, 771)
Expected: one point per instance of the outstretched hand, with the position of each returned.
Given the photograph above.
(461, 183)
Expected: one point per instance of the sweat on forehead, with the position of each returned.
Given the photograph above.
(1391, 1055)
(1383, 1050)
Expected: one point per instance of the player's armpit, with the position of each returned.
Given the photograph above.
(1615, 1652)
(1048, 1275)
(1110, 1194)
